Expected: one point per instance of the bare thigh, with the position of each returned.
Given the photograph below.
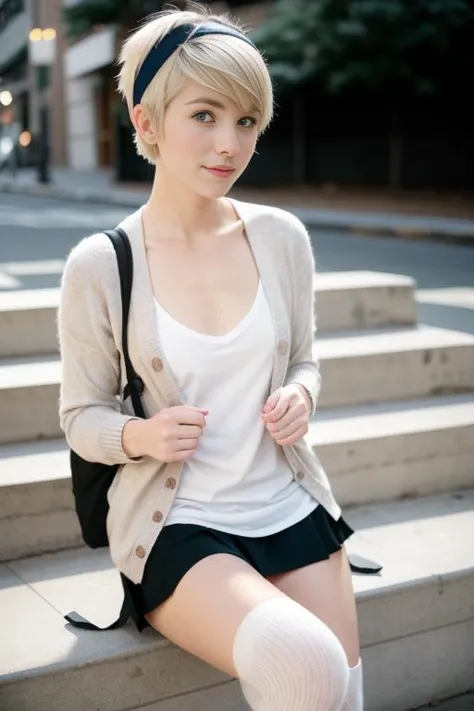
(211, 600)
(325, 589)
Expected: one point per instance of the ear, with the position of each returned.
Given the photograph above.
(144, 125)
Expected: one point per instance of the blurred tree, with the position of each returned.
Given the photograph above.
(82, 17)
(395, 50)
(235, 3)
(288, 39)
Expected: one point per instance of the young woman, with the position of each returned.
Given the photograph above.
(221, 518)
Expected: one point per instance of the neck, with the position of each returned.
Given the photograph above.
(181, 214)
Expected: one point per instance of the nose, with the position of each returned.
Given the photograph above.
(227, 141)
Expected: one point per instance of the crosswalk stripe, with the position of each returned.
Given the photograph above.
(59, 218)
(45, 266)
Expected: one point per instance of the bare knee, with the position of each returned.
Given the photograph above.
(288, 660)
(325, 589)
(207, 607)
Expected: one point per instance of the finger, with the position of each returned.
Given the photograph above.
(278, 412)
(289, 417)
(188, 416)
(295, 437)
(186, 444)
(187, 410)
(289, 430)
(189, 432)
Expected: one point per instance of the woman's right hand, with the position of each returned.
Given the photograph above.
(172, 435)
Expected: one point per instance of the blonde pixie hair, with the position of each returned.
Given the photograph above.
(223, 63)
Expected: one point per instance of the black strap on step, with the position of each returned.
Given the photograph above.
(363, 566)
(128, 611)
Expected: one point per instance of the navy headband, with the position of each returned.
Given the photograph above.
(163, 49)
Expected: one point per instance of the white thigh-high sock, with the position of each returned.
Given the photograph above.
(354, 700)
(288, 660)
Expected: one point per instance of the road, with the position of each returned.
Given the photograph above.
(36, 235)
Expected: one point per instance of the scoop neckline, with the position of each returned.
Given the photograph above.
(209, 336)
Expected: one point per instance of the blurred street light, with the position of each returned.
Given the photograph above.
(6, 146)
(6, 98)
(36, 35)
(24, 139)
(49, 34)
(42, 46)
(42, 52)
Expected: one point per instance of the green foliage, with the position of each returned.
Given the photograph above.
(289, 41)
(82, 17)
(235, 4)
(400, 46)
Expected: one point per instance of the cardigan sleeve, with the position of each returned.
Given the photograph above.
(303, 368)
(89, 403)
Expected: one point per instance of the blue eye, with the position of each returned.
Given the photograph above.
(253, 121)
(200, 114)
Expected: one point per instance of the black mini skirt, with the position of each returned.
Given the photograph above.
(181, 545)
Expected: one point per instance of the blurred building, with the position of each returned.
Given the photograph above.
(89, 97)
(17, 19)
(15, 23)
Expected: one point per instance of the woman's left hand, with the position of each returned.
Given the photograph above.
(286, 414)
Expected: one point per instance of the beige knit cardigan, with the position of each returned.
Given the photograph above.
(89, 330)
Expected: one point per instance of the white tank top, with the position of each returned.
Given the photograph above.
(238, 480)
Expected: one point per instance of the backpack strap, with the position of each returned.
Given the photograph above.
(134, 388)
(121, 243)
(127, 612)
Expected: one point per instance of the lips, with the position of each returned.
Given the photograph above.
(221, 172)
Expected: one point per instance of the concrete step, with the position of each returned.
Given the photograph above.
(356, 369)
(371, 454)
(29, 397)
(396, 450)
(397, 364)
(363, 300)
(344, 300)
(36, 503)
(28, 322)
(416, 622)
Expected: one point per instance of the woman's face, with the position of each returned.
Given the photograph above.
(205, 132)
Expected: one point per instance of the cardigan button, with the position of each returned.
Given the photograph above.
(140, 551)
(300, 476)
(170, 483)
(157, 517)
(282, 347)
(157, 364)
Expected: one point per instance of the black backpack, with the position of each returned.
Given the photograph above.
(91, 481)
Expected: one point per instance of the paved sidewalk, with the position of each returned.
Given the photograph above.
(363, 211)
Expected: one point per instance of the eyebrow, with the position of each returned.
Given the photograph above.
(211, 102)
(215, 103)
